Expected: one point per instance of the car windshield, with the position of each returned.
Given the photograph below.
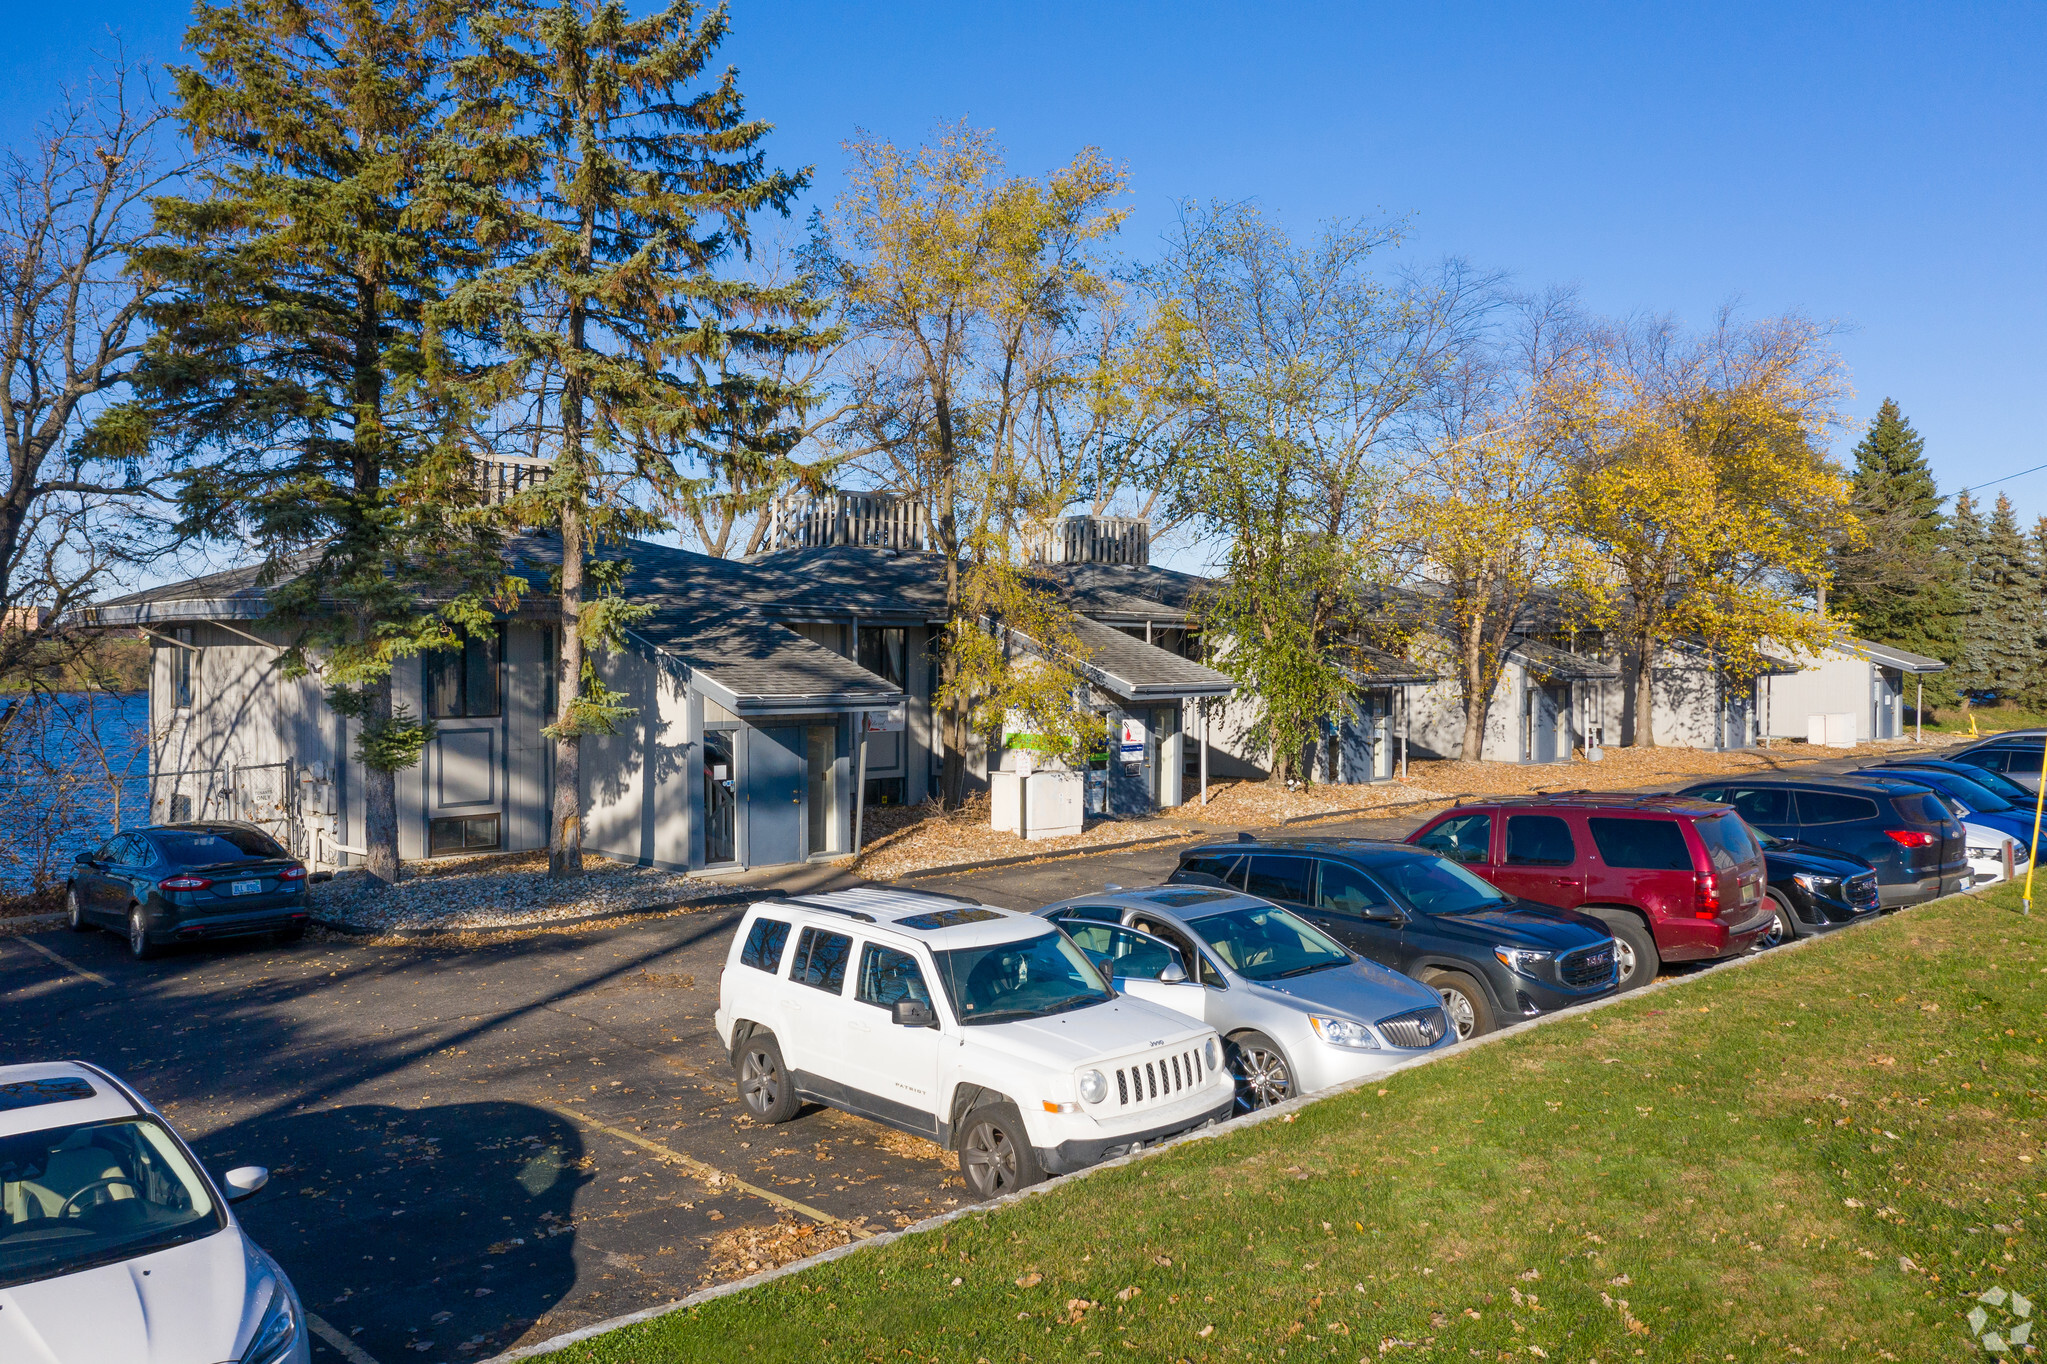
(75, 1197)
(1974, 794)
(1436, 885)
(211, 847)
(1727, 839)
(1027, 979)
(1268, 943)
(1996, 783)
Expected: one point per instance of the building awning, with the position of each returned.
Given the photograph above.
(1888, 656)
(1547, 663)
(758, 668)
(1131, 670)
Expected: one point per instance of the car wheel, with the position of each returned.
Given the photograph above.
(1264, 1075)
(1783, 926)
(139, 945)
(1464, 999)
(1634, 951)
(765, 1085)
(996, 1155)
(74, 912)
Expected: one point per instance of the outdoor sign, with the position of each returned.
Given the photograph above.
(1133, 740)
(894, 720)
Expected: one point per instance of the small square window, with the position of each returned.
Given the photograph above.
(462, 834)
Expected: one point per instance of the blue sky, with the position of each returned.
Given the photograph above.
(1877, 165)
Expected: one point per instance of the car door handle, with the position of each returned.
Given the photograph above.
(1571, 881)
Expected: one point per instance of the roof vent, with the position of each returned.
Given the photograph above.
(1094, 540)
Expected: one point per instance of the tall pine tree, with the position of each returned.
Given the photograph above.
(1899, 585)
(295, 367)
(2002, 606)
(624, 181)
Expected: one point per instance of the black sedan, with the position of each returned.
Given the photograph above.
(1813, 889)
(187, 882)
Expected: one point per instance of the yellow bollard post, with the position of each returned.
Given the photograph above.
(2033, 857)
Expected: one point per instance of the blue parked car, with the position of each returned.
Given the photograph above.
(1982, 805)
(175, 883)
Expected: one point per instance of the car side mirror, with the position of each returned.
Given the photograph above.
(1380, 914)
(913, 1013)
(244, 1181)
(1174, 974)
(319, 876)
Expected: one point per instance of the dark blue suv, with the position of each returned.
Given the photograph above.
(185, 882)
(1899, 827)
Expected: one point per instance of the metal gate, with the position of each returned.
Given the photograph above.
(264, 794)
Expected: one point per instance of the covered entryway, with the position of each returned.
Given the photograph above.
(774, 795)
(1546, 714)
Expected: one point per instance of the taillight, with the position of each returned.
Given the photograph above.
(1912, 838)
(1708, 906)
(292, 874)
(184, 883)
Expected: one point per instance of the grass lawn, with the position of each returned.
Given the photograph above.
(1829, 1153)
(1989, 720)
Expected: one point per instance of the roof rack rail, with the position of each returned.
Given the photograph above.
(830, 909)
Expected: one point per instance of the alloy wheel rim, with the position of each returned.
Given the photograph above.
(990, 1159)
(1462, 1016)
(1774, 934)
(1624, 957)
(1265, 1078)
(760, 1082)
(138, 937)
(71, 908)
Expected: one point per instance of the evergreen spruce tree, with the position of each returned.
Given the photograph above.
(621, 185)
(295, 368)
(1970, 675)
(1899, 585)
(2006, 581)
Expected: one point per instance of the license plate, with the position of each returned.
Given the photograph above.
(1748, 893)
(246, 887)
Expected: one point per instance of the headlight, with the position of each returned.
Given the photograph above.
(277, 1332)
(1817, 885)
(1342, 1032)
(1521, 959)
(1094, 1086)
(1212, 1049)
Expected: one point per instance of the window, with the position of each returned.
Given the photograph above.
(1829, 807)
(208, 847)
(887, 975)
(79, 1196)
(1274, 877)
(1223, 869)
(1346, 890)
(462, 834)
(763, 950)
(2024, 761)
(821, 959)
(1727, 841)
(1436, 885)
(463, 683)
(1928, 808)
(1467, 838)
(1539, 841)
(1269, 943)
(1121, 953)
(721, 801)
(1105, 914)
(1642, 844)
(182, 654)
(1761, 804)
(881, 651)
(1034, 978)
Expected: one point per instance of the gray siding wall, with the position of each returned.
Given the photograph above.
(638, 783)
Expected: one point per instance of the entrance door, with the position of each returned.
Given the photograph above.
(1547, 707)
(775, 777)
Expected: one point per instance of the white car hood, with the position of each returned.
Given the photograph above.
(1121, 1026)
(192, 1307)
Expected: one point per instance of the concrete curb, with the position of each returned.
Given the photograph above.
(30, 922)
(1277, 1113)
(1051, 855)
(661, 907)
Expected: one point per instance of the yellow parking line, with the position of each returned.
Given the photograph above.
(348, 1349)
(710, 1174)
(76, 970)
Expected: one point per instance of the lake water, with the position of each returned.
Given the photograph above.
(62, 760)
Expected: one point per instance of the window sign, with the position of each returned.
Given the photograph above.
(894, 720)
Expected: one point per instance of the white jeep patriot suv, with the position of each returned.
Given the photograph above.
(984, 1030)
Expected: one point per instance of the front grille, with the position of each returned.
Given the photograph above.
(1860, 890)
(1422, 1028)
(1157, 1079)
(1587, 966)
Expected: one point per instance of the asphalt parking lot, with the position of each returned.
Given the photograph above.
(472, 1148)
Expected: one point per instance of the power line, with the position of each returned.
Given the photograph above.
(1978, 487)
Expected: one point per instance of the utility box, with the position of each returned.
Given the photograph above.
(1054, 804)
(1830, 731)
(1005, 801)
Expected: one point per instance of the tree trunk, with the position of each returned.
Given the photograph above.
(380, 798)
(952, 782)
(1645, 696)
(565, 836)
(1477, 699)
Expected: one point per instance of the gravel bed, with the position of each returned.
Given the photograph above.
(501, 891)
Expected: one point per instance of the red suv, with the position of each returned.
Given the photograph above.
(1674, 879)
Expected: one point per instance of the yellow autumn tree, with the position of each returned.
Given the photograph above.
(1705, 487)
